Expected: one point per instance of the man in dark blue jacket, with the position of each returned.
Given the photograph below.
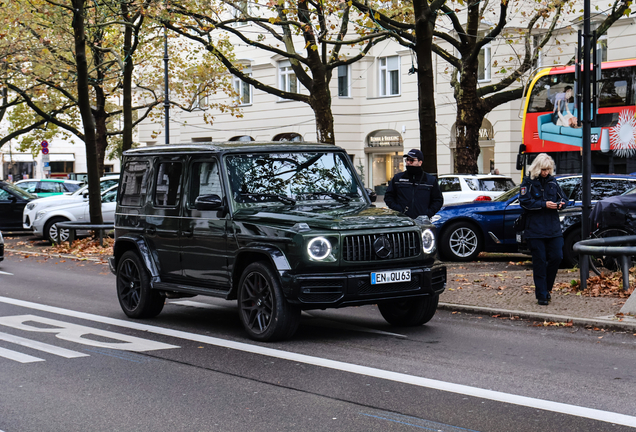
(541, 197)
(414, 192)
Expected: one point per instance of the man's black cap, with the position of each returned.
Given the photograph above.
(415, 154)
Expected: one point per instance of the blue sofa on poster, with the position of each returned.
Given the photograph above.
(548, 131)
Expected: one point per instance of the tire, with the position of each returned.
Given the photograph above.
(570, 259)
(51, 232)
(135, 296)
(460, 242)
(598, 263)
(265, 313)
(411, 312)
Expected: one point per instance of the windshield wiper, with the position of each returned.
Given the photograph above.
(282, 198)
(338, 197)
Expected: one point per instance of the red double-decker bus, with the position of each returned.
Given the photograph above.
(613, 133)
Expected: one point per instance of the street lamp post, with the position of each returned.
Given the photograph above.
(166, 102)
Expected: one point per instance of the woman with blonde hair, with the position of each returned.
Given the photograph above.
(541, 197)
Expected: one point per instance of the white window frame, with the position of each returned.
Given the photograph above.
(243, 89)
(244, 8)
(536, 39)
(201, 102)
(389, 67)
(486, 66)
(347, 69)
(602, 45)
(285, 74)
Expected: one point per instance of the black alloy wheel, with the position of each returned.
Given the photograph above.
(136, 298)
(265, 313)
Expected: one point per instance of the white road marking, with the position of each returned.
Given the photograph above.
(10, 274)
(558, 407)
(19, 357)
(81, 334)
(40, 346)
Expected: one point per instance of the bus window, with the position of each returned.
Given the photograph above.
(617, 88)
(545, 90)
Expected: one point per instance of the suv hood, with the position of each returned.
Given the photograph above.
(347, 217)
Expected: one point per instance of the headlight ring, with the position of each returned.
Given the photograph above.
(428, 241)
(319, 248)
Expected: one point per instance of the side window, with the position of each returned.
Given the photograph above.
(450, 184)
(48, 187)
(107, 184)
(205, 180)
(603, 188)
(134, 184)
(168, 184)
(569, 185)
(28, 186)
(110, 196)
(473, 184)
(4, 195)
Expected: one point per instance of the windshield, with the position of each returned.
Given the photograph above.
(507, 195)
(19, 191)
(103, 185)
(276, 179)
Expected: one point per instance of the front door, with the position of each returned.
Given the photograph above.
(203, 232)
(11, 208)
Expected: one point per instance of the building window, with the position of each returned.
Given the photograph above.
(243, 92)
(288, 80)
(601, 47)
(389, 76)
(483, 68)
(200, 101)
(344, 82)
(240, 9)
(536, 40)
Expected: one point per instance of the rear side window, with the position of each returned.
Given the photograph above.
(168, 184)
(496, 185)
(134, 184)
(49, 187)
(450, 184)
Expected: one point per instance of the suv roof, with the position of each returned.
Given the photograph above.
(231, 146)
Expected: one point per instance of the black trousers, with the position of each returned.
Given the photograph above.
(547, 254)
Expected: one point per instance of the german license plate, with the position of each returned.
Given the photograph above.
(518, 238)
(393, 276)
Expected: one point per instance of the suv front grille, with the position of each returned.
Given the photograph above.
(361, 247)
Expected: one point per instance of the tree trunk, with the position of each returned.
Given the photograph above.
(467, 124)
(425, 89)
(127, 132)
(84, 104)
(320, 102)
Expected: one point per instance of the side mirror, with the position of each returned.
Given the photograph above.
(208, 202)
(85, 194)
(12, 198)
(372, 195)
(521, 161)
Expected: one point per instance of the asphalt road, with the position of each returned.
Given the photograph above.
(70, 360)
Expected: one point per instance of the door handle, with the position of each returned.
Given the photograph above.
(151, 230)
(187, 233)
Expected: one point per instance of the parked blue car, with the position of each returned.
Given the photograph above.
(465, 230)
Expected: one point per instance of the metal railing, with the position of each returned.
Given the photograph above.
(623, 247)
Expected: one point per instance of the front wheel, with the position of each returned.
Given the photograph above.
(136, 298)
(265, 313)
(411, 312)
(460, 242)
(55, 234)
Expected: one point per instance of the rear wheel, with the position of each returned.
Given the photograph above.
(136, 298)
(410, 312)
(55, 234)
(460, 242)
(265, 313)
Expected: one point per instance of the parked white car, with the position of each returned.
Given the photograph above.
(44, 224)
(458, 188)
(80, 195)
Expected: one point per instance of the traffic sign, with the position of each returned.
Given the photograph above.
(45, 150)
(44, 144)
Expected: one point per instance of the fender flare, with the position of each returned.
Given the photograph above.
(137, 243)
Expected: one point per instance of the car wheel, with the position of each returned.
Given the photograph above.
(136, 298)
(264, 311)
(409, 313)
(460, 242)
(570, 259)
(54, 234)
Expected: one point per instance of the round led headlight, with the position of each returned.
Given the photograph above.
(319, 248)
(428, 241)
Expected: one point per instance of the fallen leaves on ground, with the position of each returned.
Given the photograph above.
(85, 247)
(553, 324)
(605, 285)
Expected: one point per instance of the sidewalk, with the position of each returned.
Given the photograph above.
(496, 284)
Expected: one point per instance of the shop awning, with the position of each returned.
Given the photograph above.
(62, 157)
(18, 157)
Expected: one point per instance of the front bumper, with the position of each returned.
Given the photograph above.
(316, 291)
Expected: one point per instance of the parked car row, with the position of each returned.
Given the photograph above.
(465, 230)
(458, 188)
(49, 187)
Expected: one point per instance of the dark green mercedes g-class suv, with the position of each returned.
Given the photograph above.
(280, 227)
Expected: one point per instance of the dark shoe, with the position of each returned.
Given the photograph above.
(549, 296)
(543, 302)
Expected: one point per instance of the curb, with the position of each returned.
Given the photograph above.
(608, 323)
